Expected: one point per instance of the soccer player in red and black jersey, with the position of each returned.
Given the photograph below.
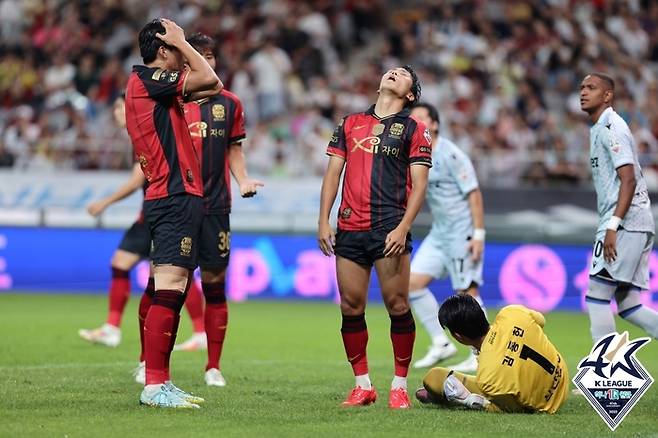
(386, 155)
(217, 127)
(173, 203)
(134, 246)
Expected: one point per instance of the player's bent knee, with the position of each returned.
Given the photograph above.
(213, 275)
(418, 282)
(124, 260)
(434, 381)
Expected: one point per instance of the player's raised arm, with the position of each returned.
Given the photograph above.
(200, 76)
(128, 188)
(326, 235)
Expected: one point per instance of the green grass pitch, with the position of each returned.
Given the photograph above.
(286, 373)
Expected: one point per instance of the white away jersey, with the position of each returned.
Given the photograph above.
(612, 146)
(451, 178)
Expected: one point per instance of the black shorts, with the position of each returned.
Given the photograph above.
(175, 226)
(137, 240)
(215, 242)
(364, 247)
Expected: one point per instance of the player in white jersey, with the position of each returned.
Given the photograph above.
(454, 245)
(624, 237)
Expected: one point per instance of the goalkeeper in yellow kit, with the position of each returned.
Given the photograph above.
(519, 369)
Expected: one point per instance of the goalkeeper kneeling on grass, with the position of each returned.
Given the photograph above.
(519, 369)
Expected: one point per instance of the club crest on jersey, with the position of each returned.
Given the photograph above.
(218, 112)
(186, 246)
(616, 148)
(396, 130)
(188, 176)
(378, 129)
(346, 213)
(611, 377)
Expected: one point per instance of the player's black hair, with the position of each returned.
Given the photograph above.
(431, 110)
(202, 42)
(149, 44)
(605, 78)
(462, 314)
(415, 85)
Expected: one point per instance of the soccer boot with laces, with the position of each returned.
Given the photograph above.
(360, 397)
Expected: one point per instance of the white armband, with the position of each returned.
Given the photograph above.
(479, 234)
(614, 223)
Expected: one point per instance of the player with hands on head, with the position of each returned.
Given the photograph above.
(173, 206)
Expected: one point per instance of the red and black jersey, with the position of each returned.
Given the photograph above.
(378, 153)
(216, 123)
(158, 130)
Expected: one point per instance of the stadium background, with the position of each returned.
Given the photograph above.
(504, 75)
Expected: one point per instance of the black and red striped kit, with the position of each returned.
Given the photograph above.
(378, 153)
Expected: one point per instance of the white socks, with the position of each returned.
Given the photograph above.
(601, 319)
(426, 307)
(399, 382)
(363, 381)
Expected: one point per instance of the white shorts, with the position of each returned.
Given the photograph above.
(632, 263)
(438, 259)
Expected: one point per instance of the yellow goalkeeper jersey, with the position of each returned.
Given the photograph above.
(519, 368)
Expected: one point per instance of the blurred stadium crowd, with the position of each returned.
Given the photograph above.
(504, 73)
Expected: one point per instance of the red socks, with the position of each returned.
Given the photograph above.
(355, 339)
(216, 321)
(144, 305)
(194, 306)
(119, 294)
(159, 333)
(403, 334)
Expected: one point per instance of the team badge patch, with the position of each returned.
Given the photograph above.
(346, 213)
(218, 112)
(396, 129)
(611, 377)
(186, 246)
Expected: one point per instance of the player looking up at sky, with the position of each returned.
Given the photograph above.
(216, 123)
(625, 233)
(454, 245)
(386, 155)
(173, 206)
(519, 368)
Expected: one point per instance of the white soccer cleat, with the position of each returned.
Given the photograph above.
(214, 377)
(140, 373)
(435, 354)
(107, 335)
(198, 341)
(468, 366)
